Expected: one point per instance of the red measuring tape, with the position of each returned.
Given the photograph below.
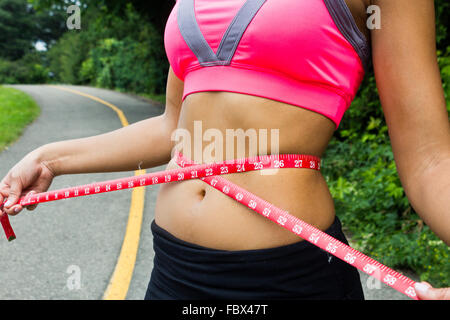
(209, 173)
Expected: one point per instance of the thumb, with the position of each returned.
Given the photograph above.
(426, 292)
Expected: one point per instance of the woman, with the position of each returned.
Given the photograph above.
(293, 66)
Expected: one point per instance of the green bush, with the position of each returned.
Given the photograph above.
(120, 64)
(444, 64)
(66, 57)
(26, 70)
(111, 52)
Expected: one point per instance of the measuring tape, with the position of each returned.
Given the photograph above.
(210, 173)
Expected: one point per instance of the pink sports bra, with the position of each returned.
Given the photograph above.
(307, 53)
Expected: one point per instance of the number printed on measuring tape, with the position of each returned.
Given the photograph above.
(331, 247)
(278, 163)
(314, 238)
(410, 292)
(258, 165)
(252, 204)
(281, 220)
(350, 258)
(297, 229)
(390, 280)
(369, 268)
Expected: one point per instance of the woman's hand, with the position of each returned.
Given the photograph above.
(426, 292)
(30, 175)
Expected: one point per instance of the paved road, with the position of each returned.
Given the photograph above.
(63, 239)
(82, 236)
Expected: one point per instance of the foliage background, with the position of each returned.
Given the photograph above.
(120, 46)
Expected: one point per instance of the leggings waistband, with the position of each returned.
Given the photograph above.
(165, 238)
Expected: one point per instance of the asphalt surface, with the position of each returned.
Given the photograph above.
(64, 241)
(68, 249)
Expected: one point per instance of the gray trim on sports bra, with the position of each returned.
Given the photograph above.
(191, 32)
(346, 24)
(196, 41)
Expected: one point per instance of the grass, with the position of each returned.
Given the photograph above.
(17, 110)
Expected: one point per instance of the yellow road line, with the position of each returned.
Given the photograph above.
(119, 112)
(120, 281)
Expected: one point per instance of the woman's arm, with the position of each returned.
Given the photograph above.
(143, 144)
(412, 98)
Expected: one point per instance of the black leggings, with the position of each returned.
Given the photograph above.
(186, 271)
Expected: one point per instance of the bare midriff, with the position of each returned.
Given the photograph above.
(197, 213)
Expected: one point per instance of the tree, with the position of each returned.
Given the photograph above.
(21, 26)
(16, 29)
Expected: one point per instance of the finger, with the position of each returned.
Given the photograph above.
(14, 210)
(31, 207)
(439, 294)
(426, 292)
(3, 194)
(13, 194)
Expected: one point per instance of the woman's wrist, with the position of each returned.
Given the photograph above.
(50, 156)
